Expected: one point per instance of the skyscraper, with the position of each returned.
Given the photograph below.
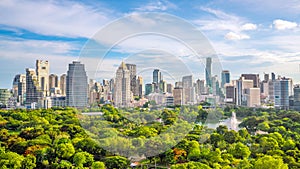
(297, 98)
(254, 77)
(77, 85)
(53, 81)
(200, 87)
(156, 76)
(189, 95)
(133, 85)
(273, 76)
(140, 86)
(283, 89)
(178, 97)
(208, 71)
(230, 94)
(149, 88)
(42, 72)
(215, 86)
(170, 88)
(253, 97)
(33, 91)
(5, 94)
(122, 93)
(19, 88)
(225, 77)
(241, 85)
(63, 84)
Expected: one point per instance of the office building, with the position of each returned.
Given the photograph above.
(253, 97)
(19, 88)
(140, 86)
(296, 98)
(169, 88)
(53, 81)
(169, 101)
(208, 71)
(157, 77)
(122, 93)
(225, 77)
(230, 94)
(42, 72)
(283, 90)
(133, 80)
(215, 86)
(241, 85)
(273, 76)
(254, 77)
(178, 95)
(63, 84)
(189, 95)
(178, 84)
(33, 92)
(200, 87)
(163, 86)
(5, 95)
(149, 88)
(76, 85)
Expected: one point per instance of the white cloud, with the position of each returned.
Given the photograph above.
(60, 18)
(249, 26)
(282, 24)
(160, 5)
(220, 23)
(236, 36)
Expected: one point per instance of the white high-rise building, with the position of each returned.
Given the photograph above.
(63, 84)
(42, 72)
(122, 94)
(241, 85)
(189, 94)
(77, 85)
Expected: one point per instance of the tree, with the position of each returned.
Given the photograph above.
(244, 164)
(289, 145)
(264, 126)
(268, 144)
(29, 162)
(117, 162)
(231, 136)
(83, 159)
(222, 129)
(239, 150)
(194, 151)
(268, 162)
(65, 150)
(190, 165)
(11, 160)
(98, 165)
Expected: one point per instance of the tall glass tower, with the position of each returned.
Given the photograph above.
(225, 78)
(208, 71)
(77, 85)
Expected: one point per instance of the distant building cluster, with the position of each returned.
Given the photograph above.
(37, 88)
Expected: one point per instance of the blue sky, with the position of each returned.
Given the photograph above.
(248, 36)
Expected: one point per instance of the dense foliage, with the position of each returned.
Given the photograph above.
(56, 138)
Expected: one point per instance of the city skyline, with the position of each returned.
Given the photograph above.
(126, 89)
(240, 35)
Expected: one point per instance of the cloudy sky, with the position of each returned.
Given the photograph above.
(247, 36)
